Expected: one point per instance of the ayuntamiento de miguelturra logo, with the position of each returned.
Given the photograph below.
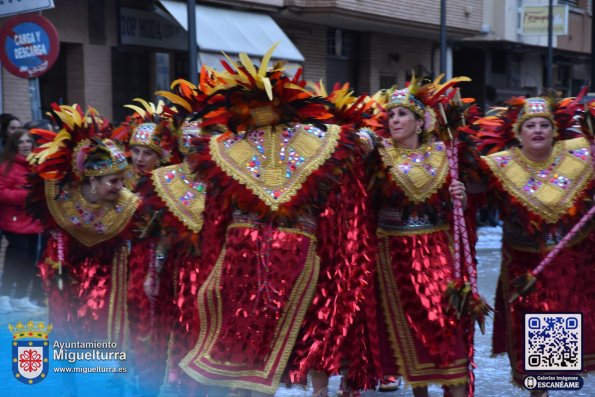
(30, 351)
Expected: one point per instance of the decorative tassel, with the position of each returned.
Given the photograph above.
(522, 285)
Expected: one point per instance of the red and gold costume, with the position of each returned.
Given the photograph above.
(539, 203)
(421, 338)
(289, 273)
(165, 262)
(83, 266)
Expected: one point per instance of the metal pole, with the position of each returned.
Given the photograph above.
(192, 46)
(443, 36)
(35, 99)
(550, 49)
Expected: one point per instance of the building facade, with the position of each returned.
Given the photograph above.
(112, 51)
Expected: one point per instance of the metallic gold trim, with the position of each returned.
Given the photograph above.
(418, 184)
(549, 201)
(209, 299)
(116, 324)
(232, 160)
(63, 209)
(170, 192)
(387, 233)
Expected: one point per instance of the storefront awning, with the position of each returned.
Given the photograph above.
(234, 31)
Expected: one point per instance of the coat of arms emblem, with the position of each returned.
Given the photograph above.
(30, 351)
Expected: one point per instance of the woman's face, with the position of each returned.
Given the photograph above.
(25, 145)
(12, 126)
(537, 135)
(144, 159)
(108, 187)
(402, 125)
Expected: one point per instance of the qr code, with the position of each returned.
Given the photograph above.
(553, 342)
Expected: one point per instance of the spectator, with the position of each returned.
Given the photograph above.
(21, 231)
(8, 124)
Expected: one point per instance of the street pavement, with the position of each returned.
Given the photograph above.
(492, 373)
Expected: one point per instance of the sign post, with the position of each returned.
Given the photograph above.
(30, 47)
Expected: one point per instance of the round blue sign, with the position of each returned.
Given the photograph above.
(30, 45)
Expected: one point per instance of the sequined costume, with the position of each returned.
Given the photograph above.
(420, 336)
(167, 262)
(89, 245)
(83, 266)
(539, 203)
(415, 265)
(286, 282)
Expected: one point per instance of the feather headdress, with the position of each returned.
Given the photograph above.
(423, 98)
(148, 126)
(247, 97)
(187, 104)
(78, 149)
(347, 108)
(499, 129)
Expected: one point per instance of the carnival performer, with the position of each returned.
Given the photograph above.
(289, 273)
(541, 174)
(147, 136)
(78, 194)
(165, 263)
(421, 338)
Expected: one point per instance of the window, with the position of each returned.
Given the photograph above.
(387, 80)
(340, 43)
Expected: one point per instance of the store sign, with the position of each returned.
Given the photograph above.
(147, 29)
(534, 20)
(29, 45)
(8, 7)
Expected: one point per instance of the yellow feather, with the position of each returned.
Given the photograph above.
(150, 108)
(137, 109)
(159, 108)
(52, 147)
(177, 82)
(268, 88)
(175, 99)
(235, 65)
(264, 64)
(63, 116)
(247, 62)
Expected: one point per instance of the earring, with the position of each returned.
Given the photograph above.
(418, 130)
(93, 189)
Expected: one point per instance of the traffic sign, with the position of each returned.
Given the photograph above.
(12, 7)
(29, 45)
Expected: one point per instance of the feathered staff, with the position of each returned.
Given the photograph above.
(463, 295)
(525, 283)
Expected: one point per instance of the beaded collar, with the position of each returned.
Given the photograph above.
(89, 223)
(547, 188)
(274, 161)
(183, 195)
(419, 172)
